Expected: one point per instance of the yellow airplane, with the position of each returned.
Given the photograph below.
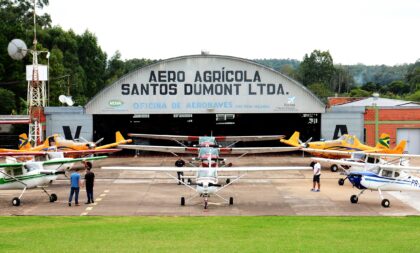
(348, 143)
(68, 147)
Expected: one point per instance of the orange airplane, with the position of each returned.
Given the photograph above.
(348, 143)
(68, 147)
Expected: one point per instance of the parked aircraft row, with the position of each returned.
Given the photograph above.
(208, 163)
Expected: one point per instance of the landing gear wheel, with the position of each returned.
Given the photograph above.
(334, 168)
(354, 199)
(16, 201)
(53, 197)
(182, 201)
(189, 181)
(386, 203)
(231, 201)
(179, 163)
(228, 181)
(341, 181)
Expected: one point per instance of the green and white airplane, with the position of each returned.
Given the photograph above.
(32, 174)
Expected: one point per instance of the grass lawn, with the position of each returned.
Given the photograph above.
(210, 234)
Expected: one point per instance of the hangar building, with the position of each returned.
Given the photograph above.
(200, 95)
(367, 118)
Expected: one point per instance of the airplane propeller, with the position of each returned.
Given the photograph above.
(305, 144)
(99, 141)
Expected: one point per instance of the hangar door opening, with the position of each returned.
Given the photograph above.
(208, 124)
(412, 135)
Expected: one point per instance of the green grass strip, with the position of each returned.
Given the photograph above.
(210, 234)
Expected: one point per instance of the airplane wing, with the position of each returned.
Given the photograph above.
(11, 165)
(256, 150)
(168, 149)
(162, 169)
(340, 162)
(23, 153)
(248, 169)
(71, 160)
(65, 152)
(91, 151)
(250, 138)
(194, 169)
(166, 137)
(218, 138)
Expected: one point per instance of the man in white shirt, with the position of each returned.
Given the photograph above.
(317, 174)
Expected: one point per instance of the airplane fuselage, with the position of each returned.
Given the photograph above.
(31, 179)
(372, 181)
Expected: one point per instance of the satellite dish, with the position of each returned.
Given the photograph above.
(66, 100)
(17, 49)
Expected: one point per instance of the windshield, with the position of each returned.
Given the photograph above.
(342, 138)
(209, 151)
(207, 173)
(359, 156)
(207, 139)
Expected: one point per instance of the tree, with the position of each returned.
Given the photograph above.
(413, 76)
(7, 101)
(398, 87)
(321, 90)
(115, 69)
(341, 80)
(415, 96)
(357, 92)
(316, 68)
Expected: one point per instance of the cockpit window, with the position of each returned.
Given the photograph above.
(387, 173)
(342, 138)
(207, 173)
(396, 174)
(359, 156)
(209, 151)
(209, 139)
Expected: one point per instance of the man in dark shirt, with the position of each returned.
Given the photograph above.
(89, 180)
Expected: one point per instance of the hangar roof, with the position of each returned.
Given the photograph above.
(382, 102)
(204, 84)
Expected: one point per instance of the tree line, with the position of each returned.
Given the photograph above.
(79, 67)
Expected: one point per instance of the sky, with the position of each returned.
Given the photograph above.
(370, 32)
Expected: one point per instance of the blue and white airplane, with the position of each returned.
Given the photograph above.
(380, 175)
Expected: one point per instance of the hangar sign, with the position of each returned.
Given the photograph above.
(227, 85)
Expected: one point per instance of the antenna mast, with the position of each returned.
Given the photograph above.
(36, 94)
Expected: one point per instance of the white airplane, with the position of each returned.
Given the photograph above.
(33, 174)
(379, 175)
(206, 179)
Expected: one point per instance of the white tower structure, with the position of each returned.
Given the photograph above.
(36, 75)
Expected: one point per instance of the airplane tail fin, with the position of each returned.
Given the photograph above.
(119, 140)
(383, 142)
(293, 140)
(24, 143)
(399, 149)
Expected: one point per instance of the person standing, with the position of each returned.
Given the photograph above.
(89, 182)
(316, 166)
(75, 187)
